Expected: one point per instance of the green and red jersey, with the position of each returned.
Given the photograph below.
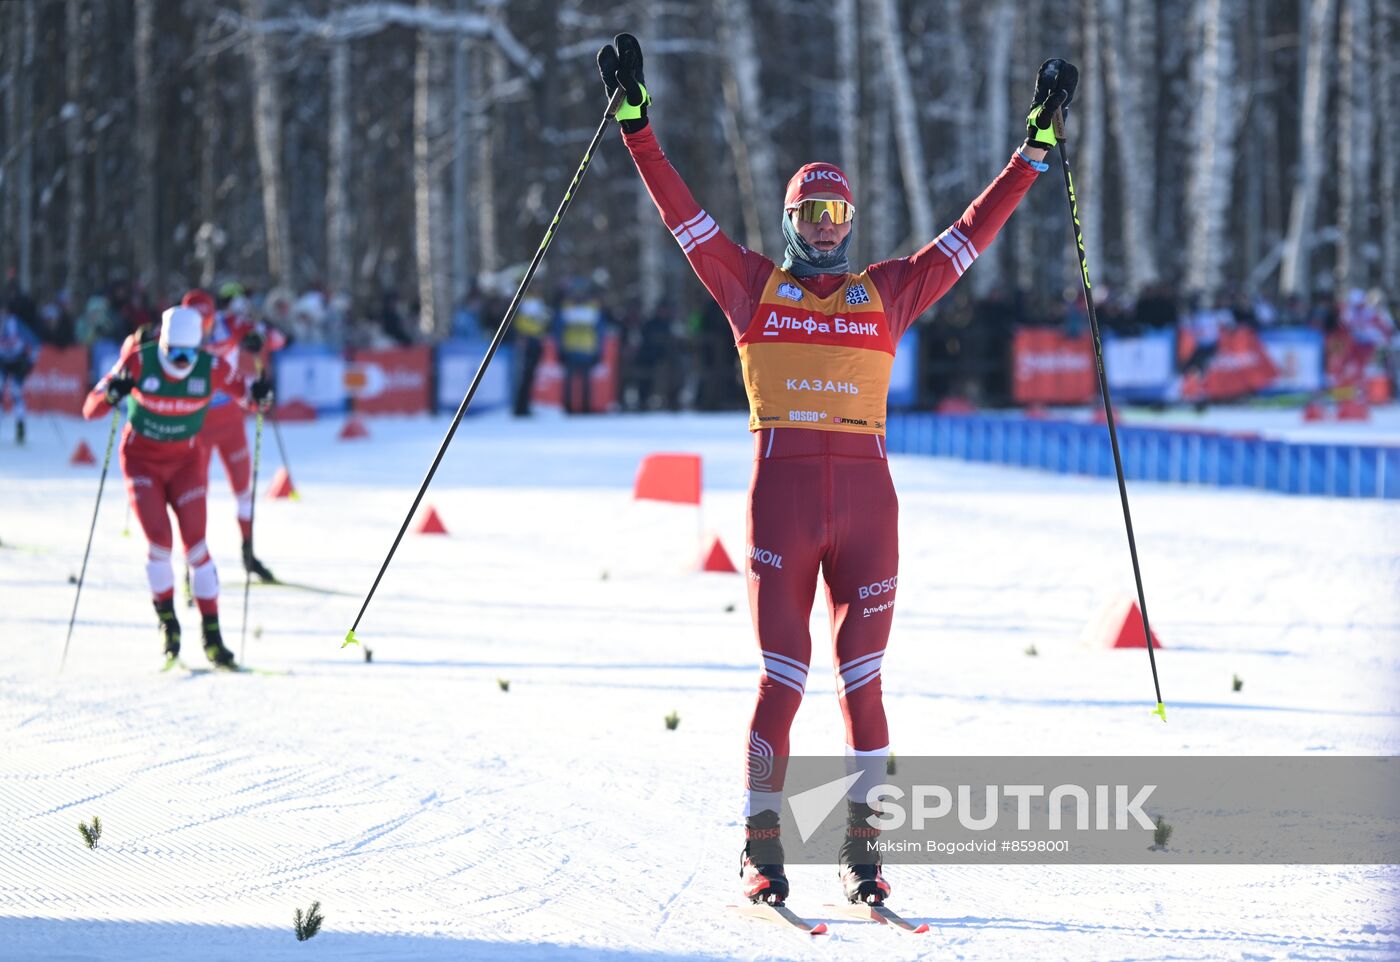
(164, 413)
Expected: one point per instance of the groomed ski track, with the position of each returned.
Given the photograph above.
(435, 816)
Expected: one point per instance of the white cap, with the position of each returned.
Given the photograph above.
(181, 327)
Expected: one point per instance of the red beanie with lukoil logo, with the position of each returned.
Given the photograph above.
(817, 179)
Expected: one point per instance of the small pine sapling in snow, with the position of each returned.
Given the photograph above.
(91, 833)
(672, 720)
(1030, 650)
(1161, 835)
(309, 924)
(503, 684)
(890, 764)
(1236, 683)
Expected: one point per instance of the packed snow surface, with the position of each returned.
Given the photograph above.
(436, 816)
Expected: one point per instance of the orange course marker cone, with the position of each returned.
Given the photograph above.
(1119, 625)
(430, 523)
(82, 454)
(354, 428)
(715, 558)
(281, 486)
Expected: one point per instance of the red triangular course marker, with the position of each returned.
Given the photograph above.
(430, 523)
(715, 558)
(82, 454)
(1120, 626)
(281, 486)
(354, 428)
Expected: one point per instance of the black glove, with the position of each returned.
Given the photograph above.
(252, 341)
(117, 387)
(620, 64)
(261, 391)
(1055, 84)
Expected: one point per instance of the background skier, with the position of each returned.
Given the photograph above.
(167, 385)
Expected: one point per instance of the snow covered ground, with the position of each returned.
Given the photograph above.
(435, 816)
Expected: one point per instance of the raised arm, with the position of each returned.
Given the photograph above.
(732, 274)
(908, 285)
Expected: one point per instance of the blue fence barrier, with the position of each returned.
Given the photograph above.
(1154, 454)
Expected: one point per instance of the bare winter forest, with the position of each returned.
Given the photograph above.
(364, 146)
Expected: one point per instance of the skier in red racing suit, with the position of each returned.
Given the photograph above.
(166, 385)
(816, 344)
(243, 344)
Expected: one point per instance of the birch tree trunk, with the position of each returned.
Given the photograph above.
(742, 91)
(1024, 225)
(73, 131)
(653, 239)
(1213, 157)
(1295, 275)
(1137, 162)
(13, 15)
(906, 121)
(1089, 183)
(1000, 18)
(339, 265)
(145, 241)
(1388, 102)
(461, 120)
(743, 163)
(267, 131)
(1355, 130)
(848, 121)
(209, 237)
(23, 29)
(883, 217)
(489, 70)
(423, 217)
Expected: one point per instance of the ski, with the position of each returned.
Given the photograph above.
(173, 663)
(314, 589)
(861, 912)
(780, 915)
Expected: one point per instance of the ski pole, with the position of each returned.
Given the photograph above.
(101, 483)
(282, 451)
(613, 103)
(252, 505)
(1161, 709)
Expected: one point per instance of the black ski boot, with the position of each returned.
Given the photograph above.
(19, 431)
(860, 861)
(169, 628)
(214, 648)
(761, 865)
(255, 567)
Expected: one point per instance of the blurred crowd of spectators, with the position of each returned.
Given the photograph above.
(672, 357)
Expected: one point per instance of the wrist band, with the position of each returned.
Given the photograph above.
(1040, 167)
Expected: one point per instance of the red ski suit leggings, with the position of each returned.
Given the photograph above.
(224, 431)
(819, 501)
(161, 476)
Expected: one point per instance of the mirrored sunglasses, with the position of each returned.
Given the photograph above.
(812, 211)
(181, 356)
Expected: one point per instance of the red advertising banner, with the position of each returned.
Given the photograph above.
(390, 380)
(1239, 366)
(1050, 368)
(59, 381)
